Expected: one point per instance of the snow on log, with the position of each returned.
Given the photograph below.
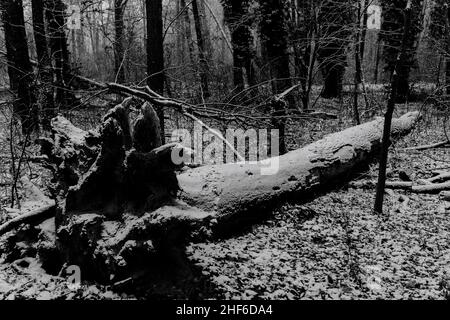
(123, 206)
(232, 191)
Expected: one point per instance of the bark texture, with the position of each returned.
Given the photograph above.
(233, 191)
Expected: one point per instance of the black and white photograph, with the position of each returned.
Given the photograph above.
(237, 151)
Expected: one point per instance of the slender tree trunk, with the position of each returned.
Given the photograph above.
(275, 40)
(241, 41)
(363, 32)
(360, 40)
(447, 57)
(358, 51)
(119, 8)
(447, 76)
(187, 31)
(334, 34)
(395, 85)
(438, 72)
(55, 14)
(155, 52)
(377, 61)
(20, 70)
(205, 26)
(201, 50)
(44, 64)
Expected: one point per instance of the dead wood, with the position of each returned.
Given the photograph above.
(426, 187)
(33, 217)
(445, 195)
(441, 144)
(440, 178)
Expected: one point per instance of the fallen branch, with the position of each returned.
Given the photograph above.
(408, 186)
(32, 217)
(440, 178)
(34, 159)
(431, 188)
(373, 184)
(429, 146)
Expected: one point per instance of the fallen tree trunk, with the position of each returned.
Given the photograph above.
(431, 188)
(123, 205)
(232, 191)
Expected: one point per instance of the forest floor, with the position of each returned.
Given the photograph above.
(332, 247)
(336, 247)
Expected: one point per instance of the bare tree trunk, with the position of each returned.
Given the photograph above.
(275, 40)
(44, 64)
(358, 52)
(155, 52)
(201, 50)
(395, 83)
(447, 75)
(236, 12)
(205, 26)
(20, 70)
(55, 14)
(187, 31)
(447, 58)
(377, 61)
(361, 39)
(119, 8)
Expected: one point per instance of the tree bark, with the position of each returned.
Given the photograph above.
(333, 42)
(119, 64)
(59, 50)
(155, 52)
(447, 58)
(187, 31)
(393, 36)
(20, 70)
(44, 63)
(201, 50)
(396, 84)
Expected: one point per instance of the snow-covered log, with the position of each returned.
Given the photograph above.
(234, 191)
